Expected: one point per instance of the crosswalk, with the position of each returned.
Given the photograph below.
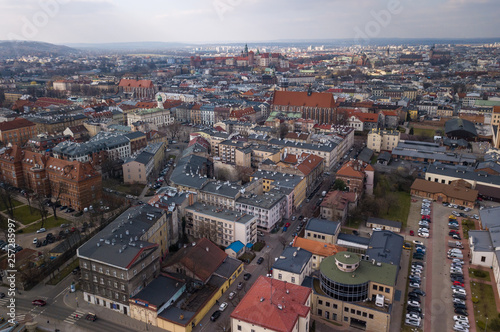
(74, 316)
(4, 301)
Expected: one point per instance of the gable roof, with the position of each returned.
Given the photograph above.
(451, 190)
(302, 98)
(256, 306)
(15, 124)
(202, 260)
(323, 226)
(124, 82)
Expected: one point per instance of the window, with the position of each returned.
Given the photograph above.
(387, 290)
(320, 312)
(374, 287)
(116, 285)
(327, 304)
(320, 302)
(370, 316)
(483, 259)
(239, 327)
(280, 276)
(365, 314)
(346, 309)
(381, 288)
(353, 311)
(293, 279)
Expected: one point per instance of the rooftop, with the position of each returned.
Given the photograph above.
(292, 260)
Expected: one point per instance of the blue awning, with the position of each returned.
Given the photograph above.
(249, 245)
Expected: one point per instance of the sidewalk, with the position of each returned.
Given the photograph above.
(76, 302)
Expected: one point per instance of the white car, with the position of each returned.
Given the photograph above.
(462, 323)
(35, 241)
(223, 306)
(460, 328)
(459, 291)
(425, 200)
(457, 260)
(41, 230)
(376, 229)
(413, 316)
(423, 230)
(413, 322)
(414, 284)
(414, 304)
(461, 318)
(425, 235)
(418, 242)
(423, 223)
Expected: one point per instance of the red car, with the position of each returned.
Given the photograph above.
(287, 224)
(458, 283)
(426, 217)
(412, 233)
(40, 303)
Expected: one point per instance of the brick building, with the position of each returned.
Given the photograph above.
(308, 105)
(357, 176)
(140, 89)
(17, 131)
(77, 184)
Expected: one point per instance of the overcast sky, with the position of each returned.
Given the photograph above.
(199, 21)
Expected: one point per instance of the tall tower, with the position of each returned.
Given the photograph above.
(246, 50)
(284, 84)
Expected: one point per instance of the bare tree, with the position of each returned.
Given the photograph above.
(224, 325)
(7, 200)
(40, 200)
(282, 240)
(4, 226)
(58, 189)
(29, 197)
(174, 129)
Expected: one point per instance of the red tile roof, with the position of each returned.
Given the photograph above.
(256, 307)
(135, 83)
(298, 98)
(351, 169)
(15, 124)
(309, 164)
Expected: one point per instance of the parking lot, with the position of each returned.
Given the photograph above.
(438, 305)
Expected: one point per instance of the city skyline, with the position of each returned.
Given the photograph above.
(107, 21)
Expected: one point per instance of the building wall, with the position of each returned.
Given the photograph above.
(18, 136)
(135, 172)
(294, 278)
(440, 197)
(342, 312)
(321, 237)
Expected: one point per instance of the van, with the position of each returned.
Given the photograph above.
(455, 255)
(379, 301)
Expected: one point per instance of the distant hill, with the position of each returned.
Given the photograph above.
(128, 46)
(12, 49)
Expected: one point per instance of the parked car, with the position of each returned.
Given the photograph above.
(215, 315)
(223, 306)
(247, 276)
(41, 230)
(419, 291)
(240, 285)
(231, 295)
(260, 260)
(92, 317)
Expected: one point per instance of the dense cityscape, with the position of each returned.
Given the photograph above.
(250, 187)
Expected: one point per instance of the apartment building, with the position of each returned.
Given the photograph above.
(119, 261)
(269, 208)
(157, 116)
(17, 131)
(382, 140)
(293, 265)
(219, 225)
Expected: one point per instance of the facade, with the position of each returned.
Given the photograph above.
(357, 176)
(219, 225)
(347, 288)
(158, 116)
(383, 140)
(139, 89)
(296, 183)
(321, 230)
(388, 225)
(123, 258)
(457, 192)
(336, 204)
(138, 169)
(482, 249)
(76, 184)
(320, 107)
(17, 131)
(293, 265)
(273, 305)
(268, 208)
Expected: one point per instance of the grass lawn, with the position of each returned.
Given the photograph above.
(467, 226)
(473, 273)
(485, 306)
(424, 132)
(124, 188)
(50, 222)
(14, 204)
(25, 216)
(403, 208)
(247, 257)
(61, 275)
(258, 246)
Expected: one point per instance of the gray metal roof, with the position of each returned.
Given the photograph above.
(385, 247)
(481, 240)
(214, 211)
(265, 201)
(329, 147)
(292, 260)
(119, 243)
(188, 170)
(490, 217)
(228, 267)
(354, 239)
(384, 222)
(462, 172)
(159, 291)
(225, 189)
(280, 179)
(323, 226)
(100, 142)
